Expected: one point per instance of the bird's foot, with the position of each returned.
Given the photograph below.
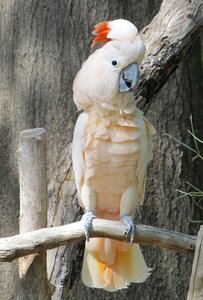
(130, 226)
(87, 219)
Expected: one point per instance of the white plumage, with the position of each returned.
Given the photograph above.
(112, 146)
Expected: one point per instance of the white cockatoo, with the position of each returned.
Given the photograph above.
(112, 146)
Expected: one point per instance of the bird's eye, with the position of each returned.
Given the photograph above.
(114, 63)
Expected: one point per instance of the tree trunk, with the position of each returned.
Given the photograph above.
(43, 44)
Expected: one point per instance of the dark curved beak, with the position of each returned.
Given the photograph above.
(129, 78)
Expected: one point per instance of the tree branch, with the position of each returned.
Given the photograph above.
(168, 38)
(49, 238)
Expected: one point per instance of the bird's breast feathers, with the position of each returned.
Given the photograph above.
(116, 150)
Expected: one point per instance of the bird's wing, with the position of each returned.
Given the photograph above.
(147, 130)
(77, 150)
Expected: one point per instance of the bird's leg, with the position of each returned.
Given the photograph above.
(128, 220)
(88, 199)
(87, 219)
(128, 205)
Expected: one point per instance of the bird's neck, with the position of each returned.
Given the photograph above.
(102, 113)
(122, 104)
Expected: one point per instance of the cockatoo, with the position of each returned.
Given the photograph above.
(112, 145)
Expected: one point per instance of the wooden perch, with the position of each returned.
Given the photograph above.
(48, 238)
(33, 212)
(33, 187)
(196, 281)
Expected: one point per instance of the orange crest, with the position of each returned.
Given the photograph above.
(101, 31)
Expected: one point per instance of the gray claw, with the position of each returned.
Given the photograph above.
(131, 227)
(87, 219)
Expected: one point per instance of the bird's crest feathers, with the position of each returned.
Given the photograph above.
(101, 30)
(120, 30)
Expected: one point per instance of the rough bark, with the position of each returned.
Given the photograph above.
(179, 24)
(43, 44)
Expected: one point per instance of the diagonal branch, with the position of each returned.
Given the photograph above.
(168, 38)
(49, 238)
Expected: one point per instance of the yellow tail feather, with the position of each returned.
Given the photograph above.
(127, 266)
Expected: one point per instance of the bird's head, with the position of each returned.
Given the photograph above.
(113, 69)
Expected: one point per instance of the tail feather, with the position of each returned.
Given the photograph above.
(128, 266)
